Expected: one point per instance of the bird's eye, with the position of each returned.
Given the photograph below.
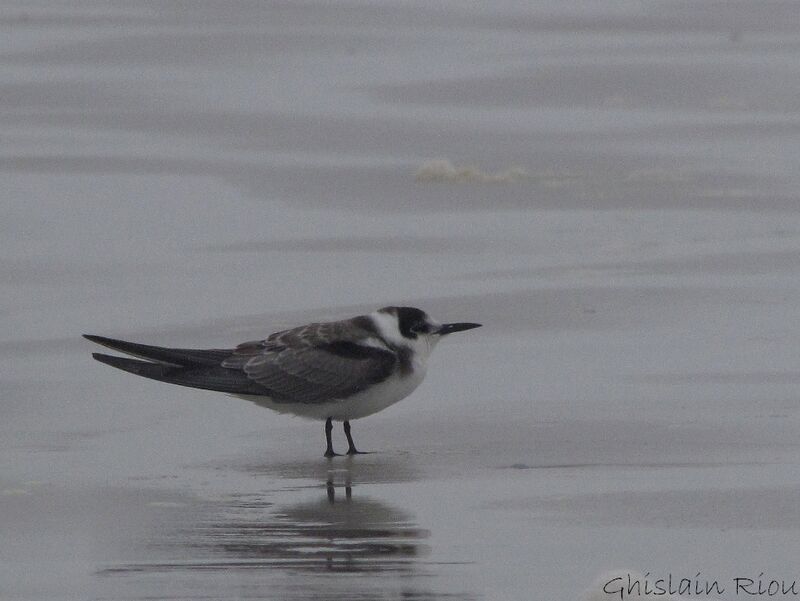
(420, 328)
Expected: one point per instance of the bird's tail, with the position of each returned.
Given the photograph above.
(216, 378)
(194, 368)
(173, 356)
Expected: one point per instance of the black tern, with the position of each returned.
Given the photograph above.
(338, 370)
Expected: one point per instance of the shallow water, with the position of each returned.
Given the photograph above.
(202, 175)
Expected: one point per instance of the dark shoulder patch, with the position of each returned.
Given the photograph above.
(352, 350)
(404, 360)
(365, 323)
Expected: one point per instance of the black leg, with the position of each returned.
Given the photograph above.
(351, 447)
(328, 427)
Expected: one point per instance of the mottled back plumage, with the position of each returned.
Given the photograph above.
(317, 362)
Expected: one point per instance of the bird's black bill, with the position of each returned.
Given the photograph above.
(449, 328)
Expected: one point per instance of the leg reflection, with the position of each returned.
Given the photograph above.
(331, 491)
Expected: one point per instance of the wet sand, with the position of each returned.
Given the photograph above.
(204, 175)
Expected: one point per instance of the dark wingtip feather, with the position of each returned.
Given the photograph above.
(109, 342)
(207, 378)
(172, 356)
(120, 362)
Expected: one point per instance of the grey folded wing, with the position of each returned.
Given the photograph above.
(314, 364)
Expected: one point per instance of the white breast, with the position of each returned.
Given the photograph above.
(376, 398)
(379, 397)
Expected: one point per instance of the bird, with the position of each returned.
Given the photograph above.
(332, 371)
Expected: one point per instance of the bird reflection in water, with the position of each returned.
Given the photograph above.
(348, 491)
(259, 545)
(338, 532)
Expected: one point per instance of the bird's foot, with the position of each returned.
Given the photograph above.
(354, 451)
(329, 453)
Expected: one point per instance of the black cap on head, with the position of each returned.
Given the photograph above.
(410, 320)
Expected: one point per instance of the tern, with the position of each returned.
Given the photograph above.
(338, 370)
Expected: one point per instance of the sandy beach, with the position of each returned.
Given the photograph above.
(610, 188)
